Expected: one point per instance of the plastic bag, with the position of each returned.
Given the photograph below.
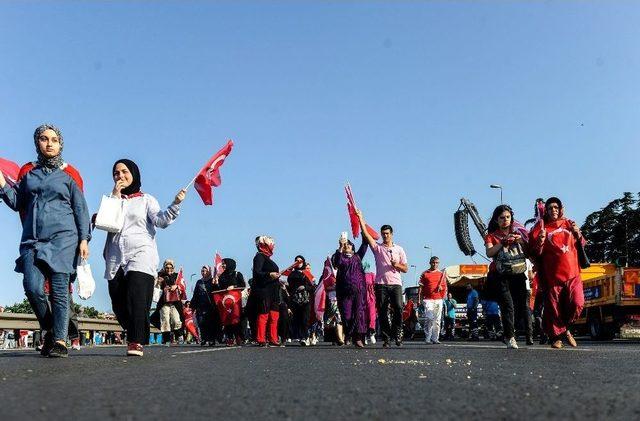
(86, 284)
(157, 293)
(110, 216)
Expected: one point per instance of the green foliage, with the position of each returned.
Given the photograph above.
(89, 312)
(613, 232)
(23, 307)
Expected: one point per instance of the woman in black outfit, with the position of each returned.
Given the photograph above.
(231, 279)
(284, 321)
(300, 292)
(507, 279)
(266, 287)
(201, 303)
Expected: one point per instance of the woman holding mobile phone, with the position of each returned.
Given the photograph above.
(131, 256)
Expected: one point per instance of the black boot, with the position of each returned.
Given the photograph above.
(47, 344)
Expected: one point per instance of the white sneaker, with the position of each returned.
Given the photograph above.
(435, 342)
(372, 339)
(314, 341)
(511, 344)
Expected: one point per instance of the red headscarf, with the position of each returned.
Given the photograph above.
(266, 249)
(265, 245)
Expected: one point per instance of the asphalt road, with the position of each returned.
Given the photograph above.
(470, 380)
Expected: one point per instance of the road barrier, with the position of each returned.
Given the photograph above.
(29, 322)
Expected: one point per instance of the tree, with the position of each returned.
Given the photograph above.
(23, 307)
(612, 233)
(89, 312)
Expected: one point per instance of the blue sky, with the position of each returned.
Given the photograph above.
(416, 104)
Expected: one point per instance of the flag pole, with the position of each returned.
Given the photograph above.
(191, 182)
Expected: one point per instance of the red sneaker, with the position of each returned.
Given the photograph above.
(134, 349)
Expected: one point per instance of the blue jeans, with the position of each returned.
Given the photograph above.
(56, 319)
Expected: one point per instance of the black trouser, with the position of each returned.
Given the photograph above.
(283, 322)
(300, 320)
(131, 297)
(390, 296)
(538, 309)
(513, 301)
(493, 325)
(472, 319)
(204, 318)
(233, 332)
(522, 310)
(74, 331)
(449, 326)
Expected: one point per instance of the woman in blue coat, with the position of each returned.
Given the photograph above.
(55, 231)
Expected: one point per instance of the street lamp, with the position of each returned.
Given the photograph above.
(498, 186)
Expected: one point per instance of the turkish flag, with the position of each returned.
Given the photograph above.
(217, 264)
(209, 175)
(289, 270)
(10, 170)
(182, 286)
(229, 304)
(353, 217)
(187, 313)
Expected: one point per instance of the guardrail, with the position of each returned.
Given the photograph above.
(29, 322)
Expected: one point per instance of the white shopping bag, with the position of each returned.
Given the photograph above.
(86, 284)
(157, 293)
(110, 217)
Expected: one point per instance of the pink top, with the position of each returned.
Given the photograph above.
(386, 274)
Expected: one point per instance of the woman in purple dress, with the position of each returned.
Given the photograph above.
(351, 290)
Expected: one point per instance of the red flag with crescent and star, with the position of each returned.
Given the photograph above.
(217, 265)
(209, 175)
(187, 313)
(10, 170)
(229, 304)
(182, 285)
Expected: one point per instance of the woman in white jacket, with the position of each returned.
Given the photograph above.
(131, 256)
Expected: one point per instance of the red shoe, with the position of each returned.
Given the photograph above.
(134, 349)
(231, 342)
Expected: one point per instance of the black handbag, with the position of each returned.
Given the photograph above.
(583, 259)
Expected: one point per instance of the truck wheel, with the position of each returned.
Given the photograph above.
(598, 330)
(595, 328)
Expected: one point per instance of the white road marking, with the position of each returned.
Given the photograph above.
(522, 347)
(198, 351)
